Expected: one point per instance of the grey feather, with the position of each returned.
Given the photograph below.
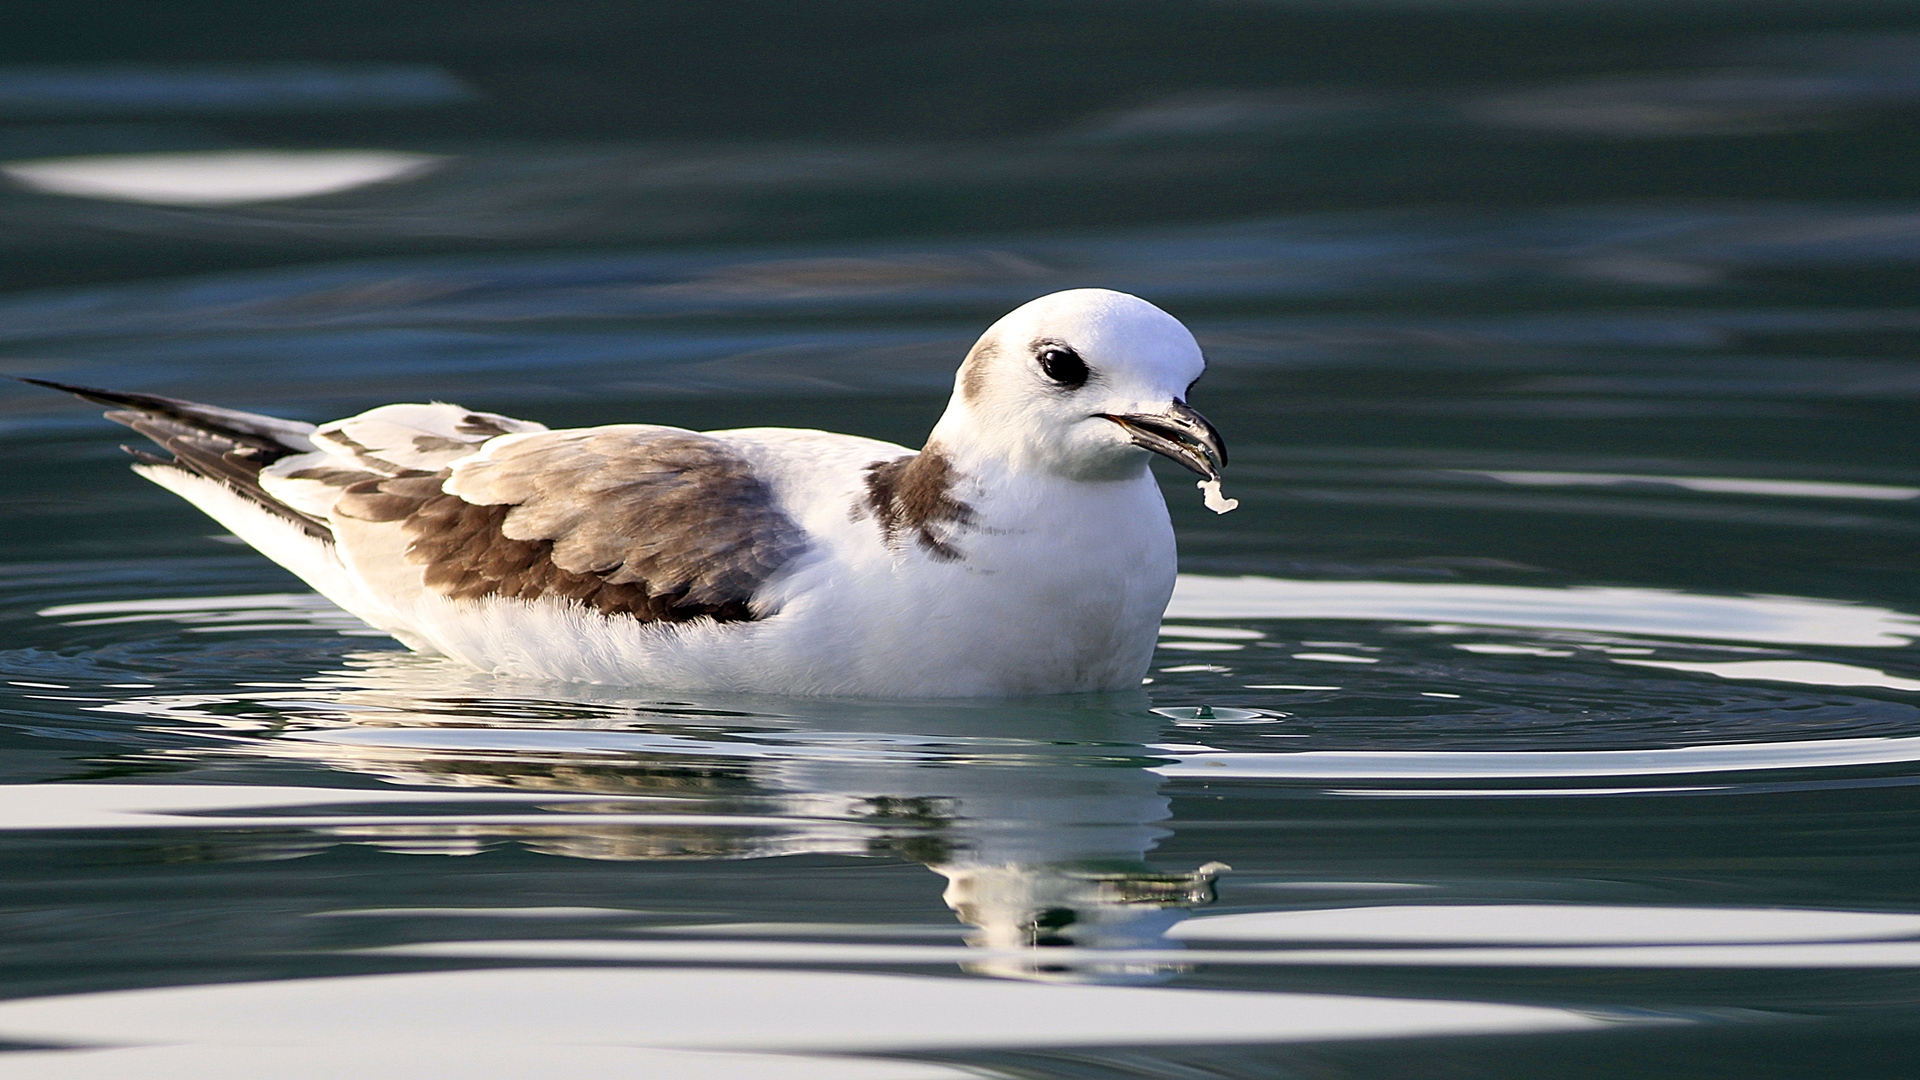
(649, 522)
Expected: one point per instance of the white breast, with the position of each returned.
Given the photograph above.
(1060, 587)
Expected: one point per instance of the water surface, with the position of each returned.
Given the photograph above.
(1549, 708)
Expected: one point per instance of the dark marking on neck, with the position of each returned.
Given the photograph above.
(915, 494)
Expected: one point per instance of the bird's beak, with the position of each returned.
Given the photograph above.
(1180, 433)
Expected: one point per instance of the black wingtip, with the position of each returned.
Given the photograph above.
(222, 445)
(50, 384)
(94, 394)
(269, 433)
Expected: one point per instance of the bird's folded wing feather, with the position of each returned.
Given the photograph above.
(652, 523)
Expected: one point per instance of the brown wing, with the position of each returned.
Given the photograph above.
(647, 522)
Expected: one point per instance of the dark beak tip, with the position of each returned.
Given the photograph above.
(1179, 434)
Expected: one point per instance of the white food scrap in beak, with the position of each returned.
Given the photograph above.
(1217, 502)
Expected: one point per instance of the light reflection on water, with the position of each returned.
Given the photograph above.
(796, 1012)
(215, 178)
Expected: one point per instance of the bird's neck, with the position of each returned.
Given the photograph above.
(975, 499)
(990, 451)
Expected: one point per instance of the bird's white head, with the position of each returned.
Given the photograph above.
(1079, 383)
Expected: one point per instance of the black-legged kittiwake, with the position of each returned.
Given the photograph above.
(1025, 550)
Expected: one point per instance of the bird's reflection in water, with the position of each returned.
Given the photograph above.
(1039, 814)
(1021, 910)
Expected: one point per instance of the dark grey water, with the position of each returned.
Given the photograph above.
(1550, 707)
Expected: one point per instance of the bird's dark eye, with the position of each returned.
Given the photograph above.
(1063, 365)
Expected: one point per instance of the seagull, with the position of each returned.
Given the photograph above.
(1026, 549)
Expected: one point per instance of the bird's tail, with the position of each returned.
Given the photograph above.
(226, 446)
(218, 457)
